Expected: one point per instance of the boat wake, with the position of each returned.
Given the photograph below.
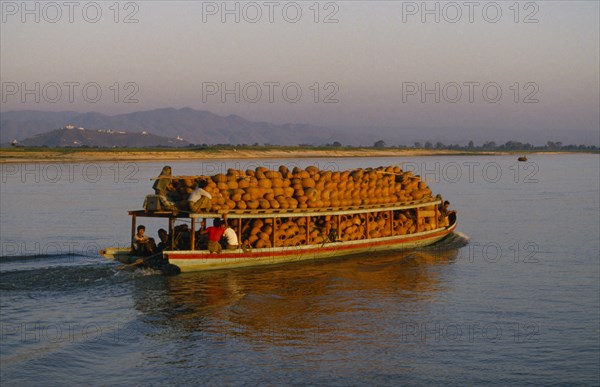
(444, 251)
(33, 263)
(138, 272)
(55, 278)
(455, 240)
(12, 258)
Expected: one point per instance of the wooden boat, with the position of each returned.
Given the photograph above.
(522, 158)
(379, 228)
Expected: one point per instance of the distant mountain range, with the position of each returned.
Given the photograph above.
(203, 127)
(194, 126)
(71, 136)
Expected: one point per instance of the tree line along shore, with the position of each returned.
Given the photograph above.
(42, 154)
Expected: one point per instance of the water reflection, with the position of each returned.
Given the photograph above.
(304, 302)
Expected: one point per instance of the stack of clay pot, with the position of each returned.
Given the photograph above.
(260, 233)
(318, 229)
(310, 188)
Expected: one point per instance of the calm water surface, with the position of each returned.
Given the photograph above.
(512, 298)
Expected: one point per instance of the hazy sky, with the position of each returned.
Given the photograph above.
(377, 63)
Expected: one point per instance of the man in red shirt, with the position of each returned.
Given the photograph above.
(214, 236)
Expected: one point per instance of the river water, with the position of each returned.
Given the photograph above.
(511, 298)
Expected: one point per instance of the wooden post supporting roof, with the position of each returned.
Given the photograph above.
(273, 234)
(193, 235)
(417, 218)
(133, 231)
(172, 232)
(308, 230)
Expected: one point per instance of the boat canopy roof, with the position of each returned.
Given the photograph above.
(287, 213)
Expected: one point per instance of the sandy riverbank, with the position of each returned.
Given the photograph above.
(20, 155)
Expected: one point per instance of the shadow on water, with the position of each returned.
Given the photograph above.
(329, 299)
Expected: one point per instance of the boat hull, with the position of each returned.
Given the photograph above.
(199, 260)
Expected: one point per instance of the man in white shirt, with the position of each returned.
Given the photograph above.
(200, 199)
(231, 238)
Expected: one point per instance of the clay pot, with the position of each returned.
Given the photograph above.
(277, 183)
(312, 169)
(283, 170)
(308, 183)
(417, 195)
(269, 196)
(264, 183)
(219, 178)
(236, 197)
(243, 183)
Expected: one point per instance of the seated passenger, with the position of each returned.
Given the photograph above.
(444, 213)
(182, 237)
(231, 239)
(199, 199)
(214, 236)
(165, 243)
(143, 245)
(163, 187)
